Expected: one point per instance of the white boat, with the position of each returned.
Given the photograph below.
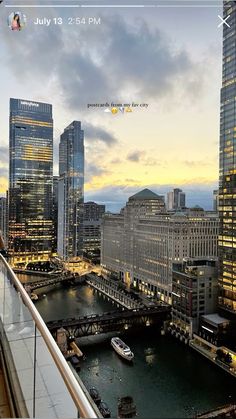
(122, 349)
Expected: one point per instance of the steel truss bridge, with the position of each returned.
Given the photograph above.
(95, 324)
(52, 281)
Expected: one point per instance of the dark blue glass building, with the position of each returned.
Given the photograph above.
(227, 187)
(30, 183)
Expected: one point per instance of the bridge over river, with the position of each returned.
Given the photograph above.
(106, 286)
(45, 282)
(121, 320)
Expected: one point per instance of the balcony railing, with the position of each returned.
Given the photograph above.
(41, 382)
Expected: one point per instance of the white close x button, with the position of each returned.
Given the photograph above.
(223, 21)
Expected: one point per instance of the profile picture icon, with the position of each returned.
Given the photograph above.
(16, 21)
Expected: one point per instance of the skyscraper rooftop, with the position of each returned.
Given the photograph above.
(144, 194)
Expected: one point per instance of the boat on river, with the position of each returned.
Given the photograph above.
(95, 395)
(122, 349)
(104, 409)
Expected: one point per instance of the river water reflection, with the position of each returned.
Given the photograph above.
(167, 379)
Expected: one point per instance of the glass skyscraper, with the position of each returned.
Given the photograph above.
(31, 177)
(55, 211)
(71, 192)
(3, 219)
(227, 187)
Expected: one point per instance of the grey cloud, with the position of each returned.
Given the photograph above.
(150, 161)
(92, 170)
(198, 163)
(86, 82)
(43, 59)
(140, 156)
(135, 156)
(149, 61)
(98, 133)
(116, 161)
(134, 57)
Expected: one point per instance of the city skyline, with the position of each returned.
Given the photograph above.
(204, 198)
(172, 155)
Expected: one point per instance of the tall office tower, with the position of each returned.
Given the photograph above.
(175, 199)
(181, 200)
(215, 200)
(227, 184)
(30, 183)
(93, 214)
(3, 219)
(71, 192)
(55, 211)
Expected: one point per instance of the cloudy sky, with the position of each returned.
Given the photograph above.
(168, 58)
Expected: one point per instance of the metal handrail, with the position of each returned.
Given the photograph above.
(82, 403)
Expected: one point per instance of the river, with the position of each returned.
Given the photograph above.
(167, 378)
